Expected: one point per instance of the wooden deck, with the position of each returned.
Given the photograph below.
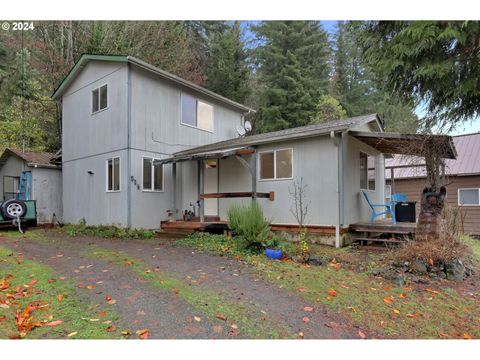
(382, 231)
(186, 227)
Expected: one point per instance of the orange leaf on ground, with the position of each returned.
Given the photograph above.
(32, 282)
(60, 297)
(308, 309)
(332, 292)
(361, 334)
(221, 317)
(111, 328)
(54, 323)
(107, 297)
(91, 287)
(402, 295)
(112, 302)
(3, 318)
(467, 336)
(387, 300)
(414, 315)
(443, 335)
(142, 334)
(306, 320)
(301, 290)
(51, 281)
(387, 289)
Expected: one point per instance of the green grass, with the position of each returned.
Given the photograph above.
(248, 319)
(474, 245)
(74, 313)
(360, 297)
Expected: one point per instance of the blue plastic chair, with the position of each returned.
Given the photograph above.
(375, 213)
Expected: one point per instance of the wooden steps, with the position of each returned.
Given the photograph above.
(383, 232)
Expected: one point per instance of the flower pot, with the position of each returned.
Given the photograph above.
(273, 254)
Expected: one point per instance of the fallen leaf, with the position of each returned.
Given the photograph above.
(432, 291)
(91, 287)
(387, 288)
(361, 334)
(414, 315)
(4, 306)
(142, 334)
(301, 290)
(111, 328)
(234, 326)
(467, 336)
(306, 319)
(308, 309)
(102, 313)
(301, 335)
(387, 300)
(51, 281)
(94, 320)
(430, 261)
(112, 302)
(197, 318)
(107, 297)
(443, 335)
(3, 318)
(396, 311)
(221, 317)
(32, 282)
(72, 334)
(332, 292)
(126, 333)
(54, 323)
(60, 297)
(402, 295)
(107, 322)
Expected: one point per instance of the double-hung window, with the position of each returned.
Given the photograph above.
(152, 175)
(196, 113)
(99, 98)
(276, 164)
(367, 171)
(113, 174)
(469, 197)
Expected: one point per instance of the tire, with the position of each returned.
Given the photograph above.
(13, 208)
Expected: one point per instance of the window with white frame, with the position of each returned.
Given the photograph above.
(469, 197)
(367, 171)
(113, 174)
(276, 164)
(196, 113)
(99, 98)
(152, 175)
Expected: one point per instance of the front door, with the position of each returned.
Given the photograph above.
(211, 186)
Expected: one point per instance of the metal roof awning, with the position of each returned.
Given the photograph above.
(205, 155)
(408, 144)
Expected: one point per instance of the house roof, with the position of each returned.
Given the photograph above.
(287, 134)
(32, 158)
(467, 162)
(86, 58)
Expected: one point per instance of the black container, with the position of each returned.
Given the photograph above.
(405, 211)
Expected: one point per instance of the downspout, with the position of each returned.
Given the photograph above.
(129, 145)
(339, 143)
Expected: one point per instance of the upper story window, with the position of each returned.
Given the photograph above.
(152, 175)
(99, 98)
(367, 171)
(197, 113)
(277, 164)
(113, 174)
(469, 197)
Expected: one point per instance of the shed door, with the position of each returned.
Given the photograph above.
(211, 186)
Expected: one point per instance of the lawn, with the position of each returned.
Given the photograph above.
(35, 304)
(413, 311)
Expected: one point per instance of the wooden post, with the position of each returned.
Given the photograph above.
(201, 188)
(174, 179)
(253, 171)
(392, 181)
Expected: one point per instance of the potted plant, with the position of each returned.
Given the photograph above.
(272, 249)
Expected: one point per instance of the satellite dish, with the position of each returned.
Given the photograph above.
(248, 126)
(240, 130)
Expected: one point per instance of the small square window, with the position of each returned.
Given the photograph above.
(276, 164)
(99, 98)
(468, 197)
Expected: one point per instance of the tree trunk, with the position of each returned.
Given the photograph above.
(430, 218)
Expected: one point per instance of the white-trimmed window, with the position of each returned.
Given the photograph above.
(367, 171)
(99, 98)
(196, 113)
(152, 175)
(113, 174)
(276, 164)
(469, 197)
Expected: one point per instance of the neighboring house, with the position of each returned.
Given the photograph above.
(462, 177)
(139, 143)
(42, 181)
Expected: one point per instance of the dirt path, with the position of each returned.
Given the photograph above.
(141, 305)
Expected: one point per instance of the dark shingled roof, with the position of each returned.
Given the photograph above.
(287, 134)
(38, 158)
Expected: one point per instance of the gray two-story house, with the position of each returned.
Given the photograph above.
(141, 146)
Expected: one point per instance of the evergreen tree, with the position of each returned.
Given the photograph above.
(357, 88)
(292, 59)
(226, 67)
(433, 63)
(328, 109)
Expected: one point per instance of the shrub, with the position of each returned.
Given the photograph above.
(106, 231)
(249, 224)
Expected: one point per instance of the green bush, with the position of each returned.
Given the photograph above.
(106, 231)
(249, 225)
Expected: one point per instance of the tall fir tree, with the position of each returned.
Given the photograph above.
(292, 60)
(355, 86)
(226, 69)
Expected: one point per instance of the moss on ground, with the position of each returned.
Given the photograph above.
(75, 314)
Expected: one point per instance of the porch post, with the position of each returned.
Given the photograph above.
(174, 185)
(201, 189)
(253, 168)
(392, 181)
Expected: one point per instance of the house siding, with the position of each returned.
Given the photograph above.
(413, 189)
(47, 191)
(13, 167)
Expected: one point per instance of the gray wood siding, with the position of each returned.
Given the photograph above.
(356, 207)
(13, 167)
(413, 189)
(47, 191)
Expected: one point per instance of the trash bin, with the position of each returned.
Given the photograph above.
(405, 211)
